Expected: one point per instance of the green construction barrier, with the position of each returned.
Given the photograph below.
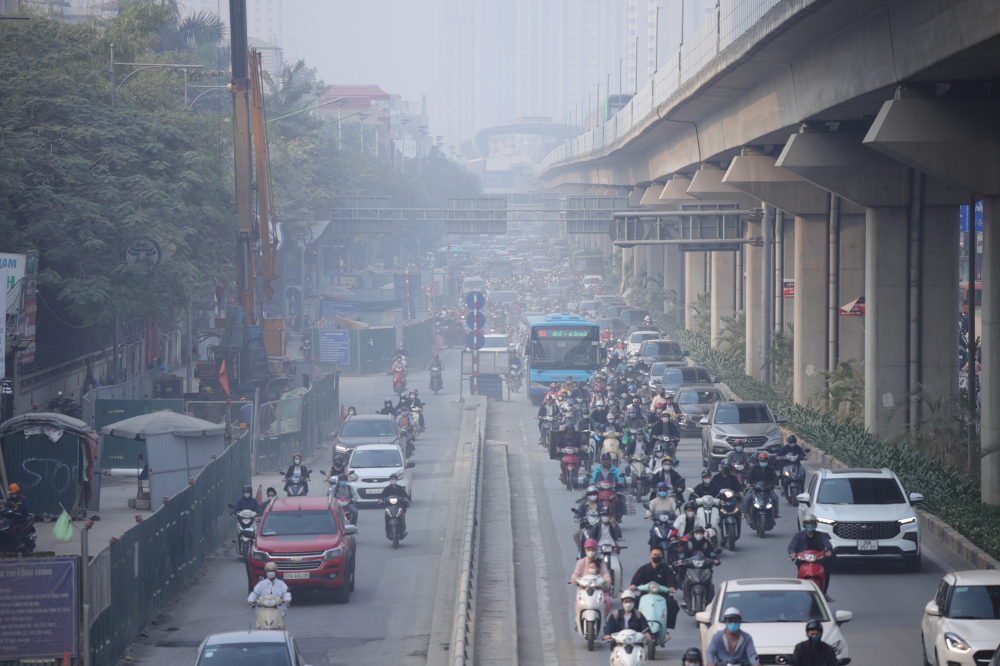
(418, 338)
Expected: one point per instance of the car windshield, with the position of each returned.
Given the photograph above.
(639, 336)
(662, 348)
(686, 376)
(776, 606)
(657, 369)
(380, 428)
(245, 654)
(860, 491)
(732, 414)
(495, 340)
(282, 523)
(375, 458)
(562, 346)
(699, 397)
(975, 602)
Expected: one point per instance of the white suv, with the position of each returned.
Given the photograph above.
(865, 512)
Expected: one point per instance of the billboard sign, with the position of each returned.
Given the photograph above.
(963, 216)
(788, 288)
(14, 265)
(38, 608)
(334, 346)
(334, 308)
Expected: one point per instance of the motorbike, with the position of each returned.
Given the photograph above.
(570, 466)
(394, 527)
(436, 382)
(406, 433)
(269, 612)
(586, 523)
(761, 516)
(613, 446)
(637, 472)
(545, 427)
(810, 563)
(609, 554)
(245, 523)
(659, 533)
(15, 536)
(653, 607)
(588, 609)
(697, 582)
(729, 519)
(588, 451)
(669, 443)
(606, 495)
(708, 511)
(792, 477)
(399, 382)
(296, 484)
(739, 470)
(628, 648)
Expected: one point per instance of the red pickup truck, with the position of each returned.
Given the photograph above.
(312, 543)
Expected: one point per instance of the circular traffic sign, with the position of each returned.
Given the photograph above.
(476, 321)
(475, 340)
(476, 300)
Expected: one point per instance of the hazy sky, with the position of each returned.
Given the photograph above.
(389, 42)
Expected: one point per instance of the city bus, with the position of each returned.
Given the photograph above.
(561, 346)
(588, 262)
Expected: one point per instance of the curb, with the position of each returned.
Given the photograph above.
(930, 525)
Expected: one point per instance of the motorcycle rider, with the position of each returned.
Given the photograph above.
(414, 401)
(670, 407)
(336, 469)
(352, 411)
(725, 479)
(698, 543)
(812, 539)
(436, 364)
(665, 426)
(401, 351)
(344, 490)
(730, 645)
(627, 617)
(692, 657)
(271, 494)
(661, 502)
(271, 585)
(706, 487)
(297, 468)
(758, 473)
(548, 408)
(388, 409)
(395, 490)
(813, 651)
(608, 472)
(515, 362)
(570, 437)
(590, 556)
(587, 507)
(607, 531)
(687, 521)
(669, 475)
(246, 503)
(657, 571)
(659, 399)
(791, 447)
(19, 502)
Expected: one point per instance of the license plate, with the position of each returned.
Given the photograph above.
(867, 545)
(295, 576)
(373, 491)
(751, 449)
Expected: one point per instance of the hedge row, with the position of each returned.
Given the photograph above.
(946, 493)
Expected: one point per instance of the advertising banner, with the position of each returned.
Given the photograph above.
(14, 265)
(334, 308)
(30, 305)
(38, 608)
(334, 346)
(788, 288)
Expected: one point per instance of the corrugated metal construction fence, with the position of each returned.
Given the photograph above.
(151, 562)
(418, 338)
(373, 348)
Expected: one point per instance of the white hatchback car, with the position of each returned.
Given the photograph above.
(370, 466)
(774, 612)
(865, 513)
(962, 624)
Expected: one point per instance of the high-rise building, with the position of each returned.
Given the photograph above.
(263, 16)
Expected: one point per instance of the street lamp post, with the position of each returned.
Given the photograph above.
(141, 66)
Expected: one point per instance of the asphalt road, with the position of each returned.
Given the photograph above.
(887, 602)
(389, 612)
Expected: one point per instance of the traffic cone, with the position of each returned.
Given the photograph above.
(260, 493)
(343, 414)
(66, 661)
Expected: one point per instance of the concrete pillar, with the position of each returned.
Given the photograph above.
(654, 266)
(989, 379)
(886, 297)
(938, 299)
(694, 285)
(628, 268)
(723, 292)
(752, 293)
(640, 265)
(788, 247)
(852, 286)
(810, 313)
(672, 282)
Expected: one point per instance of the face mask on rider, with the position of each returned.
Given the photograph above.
(814, 639)
(810, 528)
(270, 575)
(738, 447)
(689, 514)
(667, 466)
(628, 606)
(660, 454)
(392, 482)
(343, 483)
(733, 627)
(297, 461)
(661, 493)
(591, 554)
(657, 558)
(246, 495)
(699, 536)
(763, 464)
(605, 519)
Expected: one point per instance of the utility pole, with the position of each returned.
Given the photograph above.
(241, 156)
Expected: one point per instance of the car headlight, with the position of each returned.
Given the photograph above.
(838, 647)
(342, 448)
(826, 521)
(333, 553)
(718, 435)
(774, 435)
(258, 556)
(904, 521)
(955, 643)
(352, 477)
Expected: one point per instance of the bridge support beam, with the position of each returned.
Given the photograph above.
(840, 164)
(723, 291)
(694, 286)
(958, 141)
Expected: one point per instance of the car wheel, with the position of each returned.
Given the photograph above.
(923, 648)
(913, 564)
(352, 576)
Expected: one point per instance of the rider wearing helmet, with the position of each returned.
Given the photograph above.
(725, 479)
(606, 532)
(608, 472)
(627, 618)
(591, 555)
(791, 447)
(271, 585)
(246, 503)
(811, 538)
(687, 521)
(662, 501)
(699, 543)
(813, 651)
(388, 409)
(692, 657)
(706, 487)
(742, 651)
(670, 476)
(586, 507)
(762, 472)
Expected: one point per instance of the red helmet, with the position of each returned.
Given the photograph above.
(590, 543)
(763, 455)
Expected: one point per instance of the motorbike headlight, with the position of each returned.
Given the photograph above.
(629, 640)
(786, 472)
(955, 643)
(838, 646)
(269, 603)
(768, 506)
(756, 506)
(259, 556)
(333, 553)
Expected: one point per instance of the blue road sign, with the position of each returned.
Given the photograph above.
(963, 216)
(477, 342)
(476, 321)
(475, 300)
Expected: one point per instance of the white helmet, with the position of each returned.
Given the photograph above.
(629, 594)
(732, 611)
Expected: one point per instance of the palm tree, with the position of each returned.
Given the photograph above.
(733, 339)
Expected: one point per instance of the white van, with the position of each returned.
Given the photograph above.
(591, 280)
(473, 284)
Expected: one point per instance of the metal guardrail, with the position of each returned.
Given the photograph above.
(462, 637)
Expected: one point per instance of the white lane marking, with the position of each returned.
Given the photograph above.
(546, 625)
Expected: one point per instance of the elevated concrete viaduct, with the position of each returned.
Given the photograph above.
(858, 128)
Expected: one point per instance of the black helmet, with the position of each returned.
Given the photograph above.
(691, 655)
(388, 402)
(814, 625)
(706, 472)
(248, 489)
(338, 458)
(606, 510)
(690, 506)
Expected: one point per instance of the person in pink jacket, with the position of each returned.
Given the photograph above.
(592, 565)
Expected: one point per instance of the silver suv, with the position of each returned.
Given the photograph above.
(750, 423)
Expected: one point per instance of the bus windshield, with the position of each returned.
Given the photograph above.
(564, 346)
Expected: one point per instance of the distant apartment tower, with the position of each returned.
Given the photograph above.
(263, 16)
